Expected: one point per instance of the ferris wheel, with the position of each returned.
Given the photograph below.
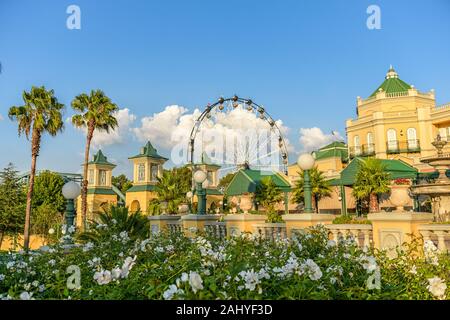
(235, 133)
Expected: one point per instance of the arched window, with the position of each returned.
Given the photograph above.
(357, 145)
(411, 134)
(392, 140)
(370, 145)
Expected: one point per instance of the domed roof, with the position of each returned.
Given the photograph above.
(392, 84)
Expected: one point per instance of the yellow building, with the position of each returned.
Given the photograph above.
(147, 167)
(100, 193)
(397, 121)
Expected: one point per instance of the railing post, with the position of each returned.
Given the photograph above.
(441, 241)
(366, 238)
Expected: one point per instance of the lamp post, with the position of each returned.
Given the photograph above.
(306, 162)
(199, 178)
(71, 190)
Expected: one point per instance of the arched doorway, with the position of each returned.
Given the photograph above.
(135, 206)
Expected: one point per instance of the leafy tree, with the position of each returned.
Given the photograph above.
(320, 188)
(122, 183)
(40, 113)
(96, 113)
(171, 190)
(269, 195)
(371, 180)
(114, 220)
(48, 191)
(225, 181)
(44, 218)
(12, 202)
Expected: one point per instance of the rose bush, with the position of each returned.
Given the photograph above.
(172, 266)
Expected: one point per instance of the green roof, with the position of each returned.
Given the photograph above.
(140, 188)
(100, 191)
(148, 151)
(247, 180)
(392, 84)
(100, 158)
(337, 149)
(205, 160)
(396, 168)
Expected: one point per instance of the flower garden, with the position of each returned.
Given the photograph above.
(116, 264)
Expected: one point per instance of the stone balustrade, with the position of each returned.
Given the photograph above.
(217, 229)
(361, 233)
(175, 226)
(438, 233)
(272, 231)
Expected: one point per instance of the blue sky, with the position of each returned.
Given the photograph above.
(306, 61)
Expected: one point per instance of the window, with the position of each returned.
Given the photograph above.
(445, 133)
(91, 176)
(141, 172)
(370, 146)
(392, 139)
(411, 134)
(210, 178)
(154, 172)
(357, 145)
(102, 174)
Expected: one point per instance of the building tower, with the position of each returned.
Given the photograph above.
(147, 167)
(99, 193)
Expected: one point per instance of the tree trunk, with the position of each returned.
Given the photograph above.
(35, 144)
(316, 204)
(373, 203)
(84, 185)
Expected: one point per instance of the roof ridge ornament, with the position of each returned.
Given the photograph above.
(391, 73)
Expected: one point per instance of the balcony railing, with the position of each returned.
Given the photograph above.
(362, 151)
(405, 146)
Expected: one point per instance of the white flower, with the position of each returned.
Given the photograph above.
(369, 263)
(114, 221)
(251, 279)
(331, 243)
(26, 296)
(127, 265)
(169, 293)
(2, 277)
(333, 280)
(413, 270)
(159, 249)
(313, 269)
(63, 229)
(437, 287)
(88, 246)
(42, 288)
(103, 277)
(184, 277)
(195, 281)
(71, 229)
(51, 231)
(52, 262)
(116, 273)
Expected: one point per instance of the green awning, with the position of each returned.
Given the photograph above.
(396, 168)
(247, 180)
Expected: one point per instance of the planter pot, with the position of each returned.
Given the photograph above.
(400, 197)
(183, 209)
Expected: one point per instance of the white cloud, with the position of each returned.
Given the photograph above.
(101, 138)
(1, 117)
(171, 129)
(313, 138)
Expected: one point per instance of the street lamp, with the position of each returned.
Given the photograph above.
(306, 162)
(71, 190)
(199, 178)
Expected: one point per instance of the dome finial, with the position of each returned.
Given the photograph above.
(391, 73)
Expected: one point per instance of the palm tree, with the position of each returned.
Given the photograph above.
(40, 113)
(97, 113)
(117, 219)
(320, 188)
(269, 194)
(171, 189)
(371, 180)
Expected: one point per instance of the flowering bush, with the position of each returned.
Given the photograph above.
(401, 182)
(172, 266)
